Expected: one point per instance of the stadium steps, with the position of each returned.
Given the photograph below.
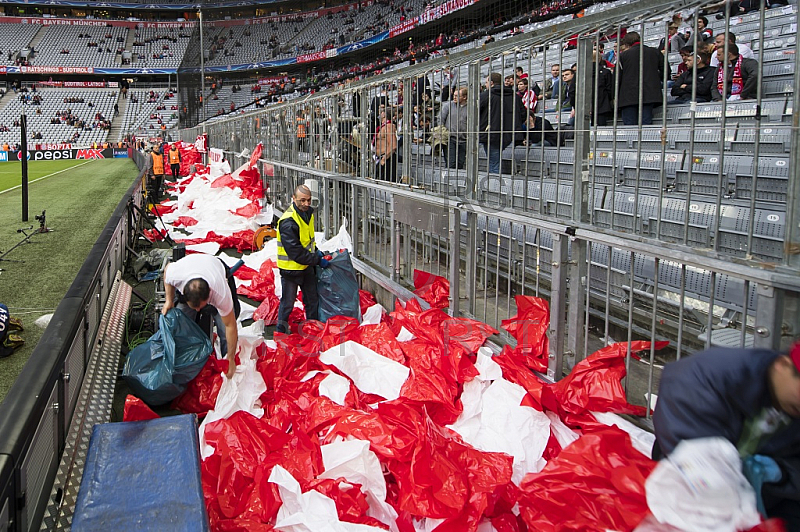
(128, 48)
(119, 121)
(38, 38)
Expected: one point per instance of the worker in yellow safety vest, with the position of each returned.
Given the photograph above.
(175, 160)
(297, 256)
(155, 173)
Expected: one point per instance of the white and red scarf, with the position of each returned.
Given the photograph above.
(736, 82)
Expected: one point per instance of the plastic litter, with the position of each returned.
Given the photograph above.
(159, 369)
(337, 288)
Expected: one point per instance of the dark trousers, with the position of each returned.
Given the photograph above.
(388, 170)
(176, 169)
(291, 280)
(154, 187)
(456, 153)
(630, 114)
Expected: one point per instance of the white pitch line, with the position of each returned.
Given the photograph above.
(44, 177)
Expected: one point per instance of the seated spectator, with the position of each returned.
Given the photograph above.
(676, 40)
(706, 78)
(719, 42)
(537, 131)
(529, 97)
(567, 86)
(742, 82)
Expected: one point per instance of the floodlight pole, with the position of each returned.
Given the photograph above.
(23, 123)
(202, 72)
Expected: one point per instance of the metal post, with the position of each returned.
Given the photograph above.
(23, 122)
(769, 317)
(473, 91)
(578, 270)
(202, 72)
(455, 260)
(791, 253)
(558, 302)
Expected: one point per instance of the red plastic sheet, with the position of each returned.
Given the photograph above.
(201, 393)
(262, 282)
(240, 240)
(189, 156)
(594, 385)
(529, 328)
(432, 288)
(595, 484)
(365, 300)
(185, 221)
(154, 236)
(137, 410)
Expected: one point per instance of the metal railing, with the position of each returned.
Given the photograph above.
(36, 413)
(684, 230)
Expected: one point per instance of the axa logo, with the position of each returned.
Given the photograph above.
(89, 154)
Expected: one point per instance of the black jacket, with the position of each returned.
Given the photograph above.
(290, 239)
(534, 135)
(715, 393)
(628, 72)
(501, 113)
(749, 80)
(706, 79)
(605, 91)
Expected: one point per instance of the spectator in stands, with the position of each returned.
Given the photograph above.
(719, 42)
(508, 81)
(567, 88)
(551, 83)
(501, 113)
(449, 79)
(742, 82)
(705, 33)
(529, 96)
(386, 148)
(706, 78)
(750, 397)
(605, 90)
(453, 116)
(676, 40)
(537, 131)
(651, 75)
(296, 252)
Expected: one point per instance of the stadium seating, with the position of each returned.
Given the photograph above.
(94, 101)
(14, 38)
(76, 39)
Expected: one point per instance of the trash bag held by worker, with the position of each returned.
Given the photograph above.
(337, 287)
(159, 369)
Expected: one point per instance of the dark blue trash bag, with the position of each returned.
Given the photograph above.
(159, 369)
(337, 287)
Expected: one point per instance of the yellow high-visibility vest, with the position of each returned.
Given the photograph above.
(306, 239)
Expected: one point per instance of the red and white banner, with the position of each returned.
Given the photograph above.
(444, 9)
(74, 84)
(53, 146)
(96, 23)
(201, 144)
(316, 56)
(3, 69)
(55, 70)
(404, 27)
(272, 80)
(215, 156)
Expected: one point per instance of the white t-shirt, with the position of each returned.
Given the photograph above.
(206, 267)
(744, 50)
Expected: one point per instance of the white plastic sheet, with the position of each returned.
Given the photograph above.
(353, 461)
(310, 511)
(700, 488)
(369, 371)
(373, 315)
(243, 392)
(341, 240)
(494, 421)
(641, 439)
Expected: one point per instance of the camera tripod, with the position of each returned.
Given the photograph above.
(28, 233)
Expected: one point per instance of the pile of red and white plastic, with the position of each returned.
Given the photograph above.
(405, 421)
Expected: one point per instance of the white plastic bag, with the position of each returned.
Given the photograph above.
(700, 488)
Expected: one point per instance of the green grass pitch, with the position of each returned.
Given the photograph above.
(79, 201)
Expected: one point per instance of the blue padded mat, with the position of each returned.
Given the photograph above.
(142, 475)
